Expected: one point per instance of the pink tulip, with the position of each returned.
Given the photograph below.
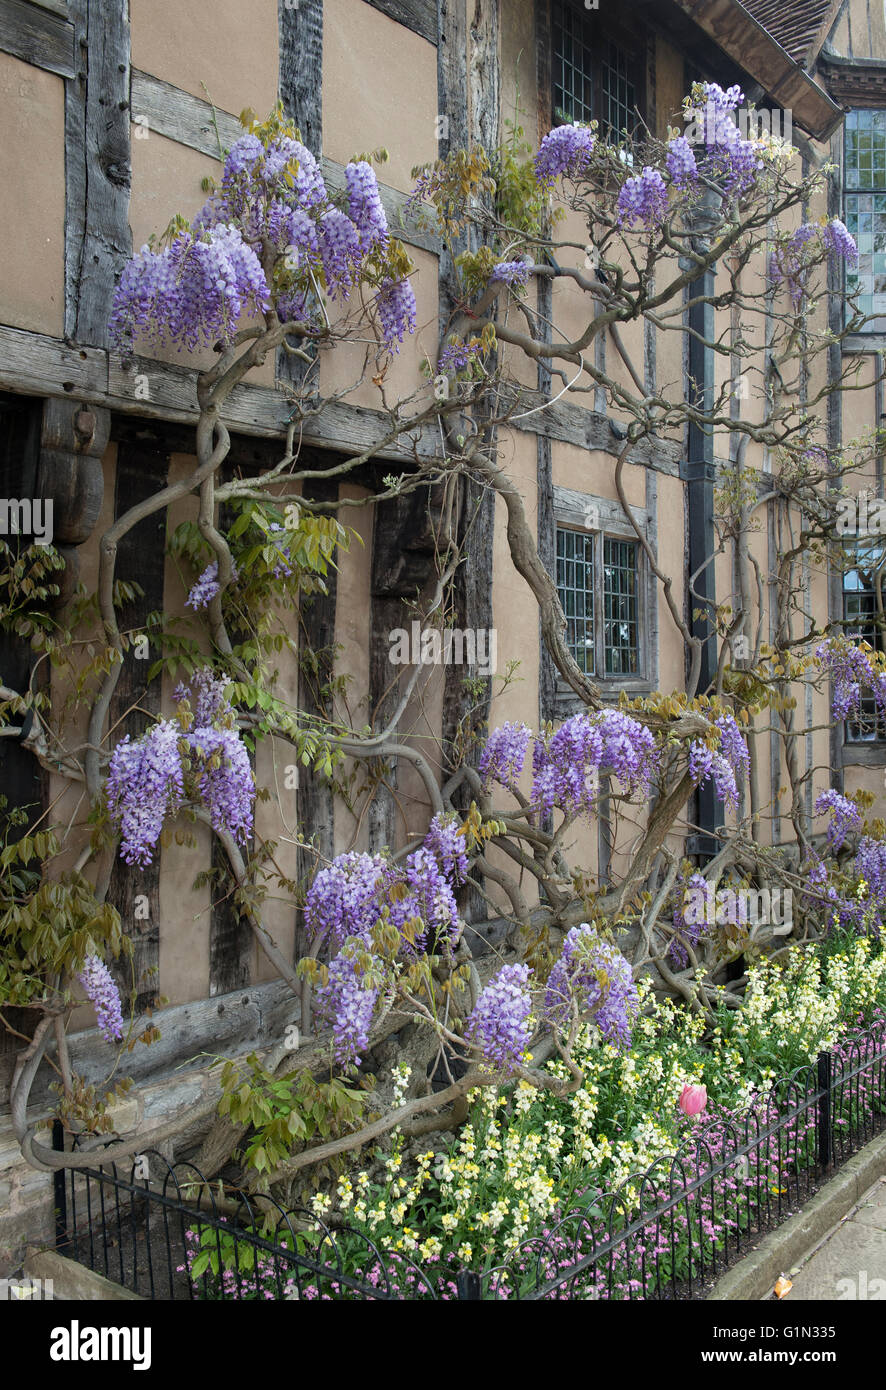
(693, 1099)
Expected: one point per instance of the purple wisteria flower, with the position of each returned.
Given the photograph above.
(563, 153)
(513, 273)
(733, 746)
(567, 767)
(504, 754)
(629, 750)
(850, 670)
(344, 898)
(99, 987)
(644, 199)
(689, 925)
(704, 763)
(364, 205)
(204, 591)
(397, 310)
(870, 865)
(340, 252)
(146, 779)
(446, 843)
(845, 816)
(226, 785)
(839, 241)
(458, 357)
(428, 901)
(500, 1022)
(595, 977)
(145, 784)
(347, 1003)
(681, 163)
(191, 293)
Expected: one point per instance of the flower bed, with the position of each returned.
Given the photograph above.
(616, 1175)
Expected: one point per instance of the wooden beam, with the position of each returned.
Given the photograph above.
(418, 15)
(98, 240)
(188, 120)
(36, 36)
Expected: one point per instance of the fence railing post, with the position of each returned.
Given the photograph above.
(60, 1193)
(467, 1284)
(823, 1117)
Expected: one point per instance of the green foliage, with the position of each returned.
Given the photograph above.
(286, 1112)
(47, 926)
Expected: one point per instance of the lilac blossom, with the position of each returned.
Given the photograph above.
(396, 306)
(424, 897)
(446, 842)
(347, 1002)
(564, 152)
(593, 975)
(513, 273)
(845, 816)
(145, 784)
(98, 984)
(364, 205)
(191, 293)
(499, 1025)
(681, 163)
(344, 899)
(504, 754)
(643, 198)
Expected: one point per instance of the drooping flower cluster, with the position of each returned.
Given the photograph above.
(499, 1024)
(145, 784)
(845, 816)
(98, 984)
(365, 206)
(792, 259)
(192, 293)
(458, 357)
(147, 778)
(271, 195)
(851, 672)
(729, 765)
(425, 911)
(343, 900)
(447, 844)
(504, 754)
(567, 767)
(513, 273)
(563, 153)
(204, 591)
(397, 310)
(594, 977)
(681, 163)
(347, 1003)
(628, 750)
(730, 161)
(689, 925)
(643, 198)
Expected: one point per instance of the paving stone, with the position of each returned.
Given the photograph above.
(872, 1209)
(851, 1265)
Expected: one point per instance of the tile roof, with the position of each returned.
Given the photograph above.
(795, 24)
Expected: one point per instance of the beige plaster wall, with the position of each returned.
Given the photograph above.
(379, 89)
(32, 209)
(226, 51)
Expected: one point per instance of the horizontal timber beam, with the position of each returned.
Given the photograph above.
(37, 36)
(190, 121)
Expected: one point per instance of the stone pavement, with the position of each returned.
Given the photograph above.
(850, 1262)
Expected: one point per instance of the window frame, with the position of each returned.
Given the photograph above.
(869, 189)
(596, 31)
(867, 632)
(571, 512)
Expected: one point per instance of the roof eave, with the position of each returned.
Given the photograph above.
(754, 49)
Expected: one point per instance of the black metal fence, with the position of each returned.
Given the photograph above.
(164, 1231)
